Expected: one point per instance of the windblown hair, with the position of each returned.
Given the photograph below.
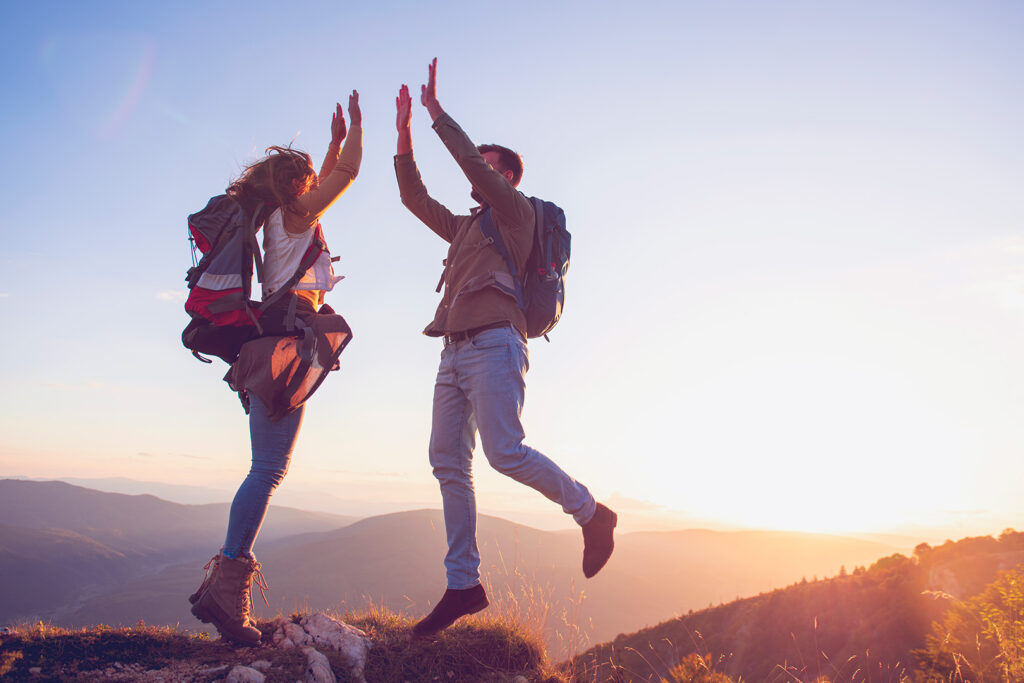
(507, 161)
(270, 179)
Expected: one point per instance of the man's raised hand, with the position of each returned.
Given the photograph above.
(428, 92)
(403, 103)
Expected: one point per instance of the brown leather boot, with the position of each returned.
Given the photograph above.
(226, 601)
(211, 570)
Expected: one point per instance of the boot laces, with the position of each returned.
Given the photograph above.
(207, 568)
(255, 576)
(261, 583)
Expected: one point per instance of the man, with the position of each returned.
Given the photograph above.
(480, 384)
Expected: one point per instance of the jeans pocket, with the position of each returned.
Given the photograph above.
(490, 339)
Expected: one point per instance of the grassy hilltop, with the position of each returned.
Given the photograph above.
(476, 649)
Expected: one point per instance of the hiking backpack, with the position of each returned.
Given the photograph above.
(224, 317)
(540, 289)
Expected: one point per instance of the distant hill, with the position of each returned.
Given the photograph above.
(140, 524)
(176, 493)
(45, 569)
(396, 560)
(869, 621)
(61, 545)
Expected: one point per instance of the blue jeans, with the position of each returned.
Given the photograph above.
(272, 444)
(481, 385)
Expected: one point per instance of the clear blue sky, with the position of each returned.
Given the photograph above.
(796, 296)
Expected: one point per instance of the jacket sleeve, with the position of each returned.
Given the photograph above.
(330, 161)
(339, 176)
(510, 204)
(414, 195)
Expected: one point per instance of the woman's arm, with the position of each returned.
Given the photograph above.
(334, 149)
(318, 200)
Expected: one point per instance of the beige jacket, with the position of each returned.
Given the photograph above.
(473, 267)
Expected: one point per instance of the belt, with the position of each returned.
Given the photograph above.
(473, 331)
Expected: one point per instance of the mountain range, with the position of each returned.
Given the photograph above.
(75, 556)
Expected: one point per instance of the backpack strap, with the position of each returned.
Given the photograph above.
(256, 253)
(542, 238)
(316, 247)
(490, 232)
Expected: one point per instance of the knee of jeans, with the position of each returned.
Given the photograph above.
(271, 476)
(447, 469)
(448, 473)
(509, 459)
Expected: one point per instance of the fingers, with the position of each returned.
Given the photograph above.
(403, 97)
(403, 104)
(337, 124)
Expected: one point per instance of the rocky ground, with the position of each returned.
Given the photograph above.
(311, 648)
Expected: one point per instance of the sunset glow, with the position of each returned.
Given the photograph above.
(796, 296)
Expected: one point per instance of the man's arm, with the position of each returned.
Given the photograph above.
(403, 103)
(413, 192)
(494, 187)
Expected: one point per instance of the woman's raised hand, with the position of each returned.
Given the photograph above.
(338, 129)
(403, 103)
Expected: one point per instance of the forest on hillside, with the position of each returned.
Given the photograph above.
(951, 612)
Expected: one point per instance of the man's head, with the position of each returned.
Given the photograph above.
(504, 161)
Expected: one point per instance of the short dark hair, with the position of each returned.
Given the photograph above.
(507, 159)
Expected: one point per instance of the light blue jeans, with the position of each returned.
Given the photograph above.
(480, 386)
(272, 444)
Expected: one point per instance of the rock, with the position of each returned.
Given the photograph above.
(213, 670)
(290, 635)
(320, 631)
(245, 674)
(318, 668)
(261, 665)
(350, 642)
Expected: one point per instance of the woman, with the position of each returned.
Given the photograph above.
(275, 374)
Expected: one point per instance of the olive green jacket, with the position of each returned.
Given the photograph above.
(477, 284)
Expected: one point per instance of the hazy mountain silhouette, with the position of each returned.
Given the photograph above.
(186, 494)
(141, 525)
(45, 569)
(60, 544)
(396, 560)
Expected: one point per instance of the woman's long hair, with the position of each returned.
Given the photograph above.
(270, 180)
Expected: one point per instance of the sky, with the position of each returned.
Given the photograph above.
(796, 293)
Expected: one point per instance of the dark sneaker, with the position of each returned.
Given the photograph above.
(454, 604)
(597, 540)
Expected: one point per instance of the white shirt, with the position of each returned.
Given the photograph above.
(282, 253)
